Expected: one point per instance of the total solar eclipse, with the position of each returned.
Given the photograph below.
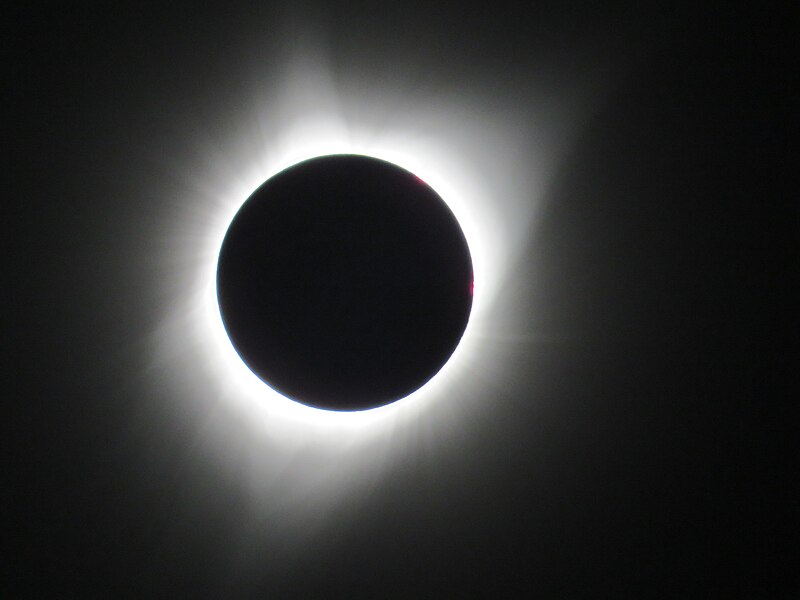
(344, 282)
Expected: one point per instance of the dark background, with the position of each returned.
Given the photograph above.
(651, 454)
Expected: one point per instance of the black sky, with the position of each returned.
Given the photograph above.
(638, 440)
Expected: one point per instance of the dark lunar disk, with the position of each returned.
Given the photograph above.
(345, 282)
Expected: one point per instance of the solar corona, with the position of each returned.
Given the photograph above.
(377, 389)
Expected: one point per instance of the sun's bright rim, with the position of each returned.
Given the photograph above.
(269, 403)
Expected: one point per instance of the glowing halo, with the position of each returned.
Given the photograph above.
(275, 403)
(433, 162)
(481, 166)
(301, 469)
